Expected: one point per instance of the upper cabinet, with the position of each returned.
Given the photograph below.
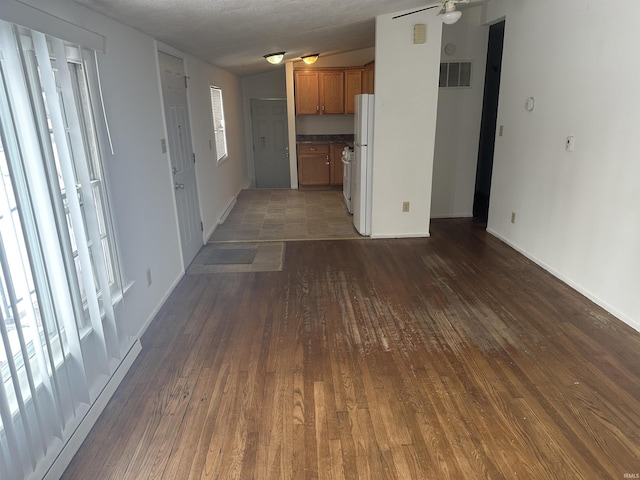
(332, 91)
(307, 84)
(327, 91)
(352, 87)
(367, 77)
(319, 92)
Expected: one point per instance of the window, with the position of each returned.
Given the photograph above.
(455, 74)
(218, 122)
(59, 279)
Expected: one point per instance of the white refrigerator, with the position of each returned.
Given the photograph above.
(362, 165)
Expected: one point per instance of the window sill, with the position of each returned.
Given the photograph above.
(222, 160)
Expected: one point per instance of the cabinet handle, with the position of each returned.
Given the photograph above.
(313, 149)
(323, 108)
(317, 108)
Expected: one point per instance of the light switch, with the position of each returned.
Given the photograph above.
(419, 33)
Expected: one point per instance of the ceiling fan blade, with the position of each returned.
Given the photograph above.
(415, 11)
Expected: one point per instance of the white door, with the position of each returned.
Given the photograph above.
(174, 94)
(270, 143)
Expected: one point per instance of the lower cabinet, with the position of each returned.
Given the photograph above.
(320, 164)
(314, 164)
(337, 167)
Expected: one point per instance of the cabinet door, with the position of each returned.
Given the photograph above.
(336, 163)
(352, 87)
(368, 78)
(307, 93)
(332, 92)
(313, 169)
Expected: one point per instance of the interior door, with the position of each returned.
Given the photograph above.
(174, 95)
(270, 143)
(488, 126)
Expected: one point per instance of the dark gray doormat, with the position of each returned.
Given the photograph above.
(239, 257)
(231, 256)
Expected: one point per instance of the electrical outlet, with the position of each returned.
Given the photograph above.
(405, 206)
(501, 130)
(513, 217)
(570, 143)
(149, 280)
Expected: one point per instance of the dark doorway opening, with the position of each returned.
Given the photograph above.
(488, 125)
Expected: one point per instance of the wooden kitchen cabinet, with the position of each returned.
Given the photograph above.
(368, 82)
(332, 92)
(314, 164)
(352, 87)
(336, 167)
(319, 92)
(307, 87)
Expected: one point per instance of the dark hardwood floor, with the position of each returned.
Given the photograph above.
(448, 357)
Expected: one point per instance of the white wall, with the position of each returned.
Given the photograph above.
(271, 84)
(218, 183)
(459, 120)
(138, 174)
(578, 213)
(406, 101)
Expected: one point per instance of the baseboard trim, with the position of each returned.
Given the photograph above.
(578, 288)
(227, 210)
(403, 235)
(452, 215)
(223, 217)
(75, 441)
(159, 305)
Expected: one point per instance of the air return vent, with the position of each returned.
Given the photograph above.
(455, 75)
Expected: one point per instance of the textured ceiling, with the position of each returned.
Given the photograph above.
(235, 34)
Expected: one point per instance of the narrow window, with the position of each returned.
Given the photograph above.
(218, 123)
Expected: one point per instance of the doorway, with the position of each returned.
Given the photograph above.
(270, 143)
(176, 111)
(488, 126)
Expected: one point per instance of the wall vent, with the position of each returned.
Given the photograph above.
(455, 74)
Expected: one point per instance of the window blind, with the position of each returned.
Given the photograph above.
(218, 123)
(61, 314)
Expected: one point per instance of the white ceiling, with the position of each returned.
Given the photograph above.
(235, 34)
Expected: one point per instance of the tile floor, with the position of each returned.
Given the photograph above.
(286, 215)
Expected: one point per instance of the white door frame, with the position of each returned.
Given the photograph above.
(163, 48)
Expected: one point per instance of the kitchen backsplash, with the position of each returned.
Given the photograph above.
(324, 124)
(335, 138)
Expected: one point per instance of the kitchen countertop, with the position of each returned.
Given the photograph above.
(346, 139)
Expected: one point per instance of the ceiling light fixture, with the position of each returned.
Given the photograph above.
(309, 59)
(450, 14)
(274, 58)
